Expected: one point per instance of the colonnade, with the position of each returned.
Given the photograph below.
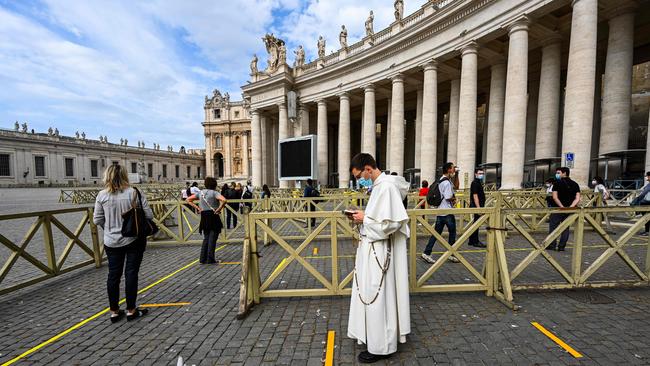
(507, 106)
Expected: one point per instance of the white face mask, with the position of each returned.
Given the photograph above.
(594, 182)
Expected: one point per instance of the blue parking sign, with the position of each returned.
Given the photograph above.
(569, 156)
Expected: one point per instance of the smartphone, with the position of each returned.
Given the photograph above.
(349, 212)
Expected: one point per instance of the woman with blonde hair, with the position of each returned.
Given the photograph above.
(116, 198)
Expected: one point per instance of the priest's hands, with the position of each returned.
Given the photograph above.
(358, 216)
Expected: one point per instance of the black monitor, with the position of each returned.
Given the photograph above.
(297, 158)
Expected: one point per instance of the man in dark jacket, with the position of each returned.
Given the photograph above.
(311, 192)
(477, 199)
(566, 194)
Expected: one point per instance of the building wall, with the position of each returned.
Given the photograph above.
(23, 148)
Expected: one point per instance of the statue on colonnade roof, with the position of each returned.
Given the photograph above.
(274, 46)
(399, 10)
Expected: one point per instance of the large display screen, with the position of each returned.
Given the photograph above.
(297, 158)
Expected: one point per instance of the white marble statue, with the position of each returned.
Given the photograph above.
(16, 126)
(321, 47)
(76, 134)
(282, 55)
(56, 132)
(253, 69)
(83, 135)
(369, 24)
(24, 127)
(50, 132)
(343, 37)
(300, 57)
(399, 10)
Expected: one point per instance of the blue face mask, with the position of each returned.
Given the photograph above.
(557, 176)
(480, 177)
(363, 182)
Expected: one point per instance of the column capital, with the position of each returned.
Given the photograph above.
(282, 105)
(620, 10)
(397, 78)
(368, 88)
(344, 95)
(255, 112)
(469, 48)
(321, 102)
(519, 24)
(430, 65)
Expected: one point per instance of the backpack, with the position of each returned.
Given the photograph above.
(434, 196)
(188, 191)
(247, 194)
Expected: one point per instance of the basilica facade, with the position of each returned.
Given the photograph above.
(518, 87)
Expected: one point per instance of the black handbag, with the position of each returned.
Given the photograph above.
(135, 224)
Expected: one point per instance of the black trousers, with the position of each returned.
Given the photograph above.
(208, 246)
(131, 254)
(554, 221)
(473, 239)
(231, 216)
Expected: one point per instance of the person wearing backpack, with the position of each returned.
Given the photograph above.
(309, 192)
(247, 195)
(441, 194)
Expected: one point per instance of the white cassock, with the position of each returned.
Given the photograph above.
(387, 321)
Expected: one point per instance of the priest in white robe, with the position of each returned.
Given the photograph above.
(379, 306)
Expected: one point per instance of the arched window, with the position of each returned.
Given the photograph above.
(218, 142)
(237, 141)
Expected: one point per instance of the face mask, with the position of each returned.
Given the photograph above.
(480, 177)
(548, 185)
(363, 182)
(594, 182)
(557, 176)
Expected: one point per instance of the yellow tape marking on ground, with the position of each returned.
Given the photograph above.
(225, 263)
(97, 315)
(329, 351)
(315, 251)
(557, 340)
(164, 305)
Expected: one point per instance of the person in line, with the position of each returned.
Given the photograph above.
(194, 189)
(379, 305)
(423, 193)
(185, 192)
(549, 192)
(641, 200)
(266, 192)
(247, 195)
(599, 188)
(231, 216)
(311, 192)
(239, 192)
(210, 205)
(566, 194)
(448, 201)
(477, 199)
(116, 198)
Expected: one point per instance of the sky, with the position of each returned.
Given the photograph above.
(140, 69)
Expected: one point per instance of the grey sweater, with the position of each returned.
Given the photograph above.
(108, 214)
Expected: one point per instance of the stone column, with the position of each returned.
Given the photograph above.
(514, 117)
(388, 144)
(302, 128)
(256, 142)
(368, 143)
(397, 126)
(283, 133)
(264, 137)
(418, 131)
(580, 86)
(322, 144)
(209, 155)
(495, 113)
(617, 91)
(466, 143)
(452, 124)
(274, 150)
(647, 148)
(429, 128)
(548, 107)
(344, 140)
(244, 141)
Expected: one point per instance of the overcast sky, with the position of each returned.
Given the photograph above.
(141, 71)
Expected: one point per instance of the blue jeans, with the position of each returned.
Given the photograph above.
(441, 222)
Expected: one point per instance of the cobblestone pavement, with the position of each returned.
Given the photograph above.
(455, 329)
(609, 327)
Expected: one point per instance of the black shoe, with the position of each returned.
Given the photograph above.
(478, 245)
(118, 317)
(139, 313)
(551, 247)
(367, 357)
(560, 249)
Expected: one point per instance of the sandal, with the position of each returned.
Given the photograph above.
(137, 314)
(117, 317)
